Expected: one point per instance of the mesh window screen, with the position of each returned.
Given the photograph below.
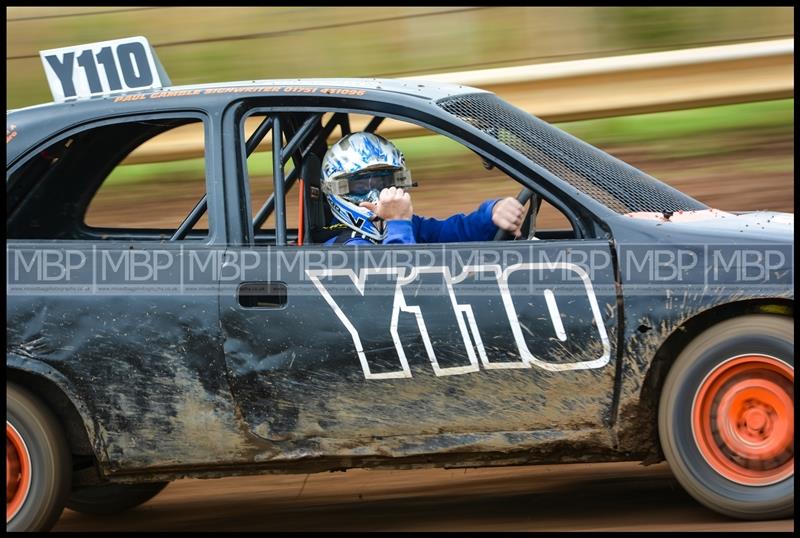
(610, 181)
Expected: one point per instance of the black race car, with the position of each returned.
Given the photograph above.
(651, 327)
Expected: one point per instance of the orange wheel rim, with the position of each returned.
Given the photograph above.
(743, 420)
(18, 471)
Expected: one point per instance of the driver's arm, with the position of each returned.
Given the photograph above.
(480, 225)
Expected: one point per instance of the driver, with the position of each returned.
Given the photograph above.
(364, 177)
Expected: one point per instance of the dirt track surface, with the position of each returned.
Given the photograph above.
(579, 497)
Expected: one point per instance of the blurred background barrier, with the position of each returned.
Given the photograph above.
(640, 83)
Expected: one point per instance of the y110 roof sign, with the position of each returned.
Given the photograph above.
(103, 68)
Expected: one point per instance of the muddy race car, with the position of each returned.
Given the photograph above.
(235, 341)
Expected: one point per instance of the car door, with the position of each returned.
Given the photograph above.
(352, 345)
(105, 298)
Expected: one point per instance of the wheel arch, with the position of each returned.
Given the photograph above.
(675, 343)
(60, 396)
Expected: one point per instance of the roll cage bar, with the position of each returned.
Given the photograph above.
(297, 148)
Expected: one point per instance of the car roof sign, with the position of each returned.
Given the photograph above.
(103, 68)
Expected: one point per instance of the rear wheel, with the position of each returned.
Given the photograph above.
(112, 498)
(726, 417)
(38, 463)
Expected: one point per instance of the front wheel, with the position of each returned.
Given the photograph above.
(112, 498)
(38, 463)
(726, 417)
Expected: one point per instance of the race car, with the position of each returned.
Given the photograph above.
(652, 327)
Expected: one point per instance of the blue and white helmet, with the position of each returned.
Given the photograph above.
(354, 170)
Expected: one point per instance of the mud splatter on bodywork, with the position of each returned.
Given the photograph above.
(642, 374)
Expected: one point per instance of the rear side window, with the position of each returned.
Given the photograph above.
(139, 180)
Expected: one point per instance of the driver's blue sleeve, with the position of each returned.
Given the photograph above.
(477, 226)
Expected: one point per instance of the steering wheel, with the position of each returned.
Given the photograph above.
(523, 197)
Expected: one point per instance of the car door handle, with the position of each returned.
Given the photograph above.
(262, 294)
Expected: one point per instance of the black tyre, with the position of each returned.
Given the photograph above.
(726, 417)
(38, 463)
(112, 498)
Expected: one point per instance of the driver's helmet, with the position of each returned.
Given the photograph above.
(354, 170)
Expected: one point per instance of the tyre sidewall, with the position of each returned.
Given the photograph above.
(49, 461)
(675, 419)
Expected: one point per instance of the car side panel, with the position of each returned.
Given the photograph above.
(300, 379)
(144, 358)
(671, 277)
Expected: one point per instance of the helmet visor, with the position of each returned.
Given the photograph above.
(364, 182)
